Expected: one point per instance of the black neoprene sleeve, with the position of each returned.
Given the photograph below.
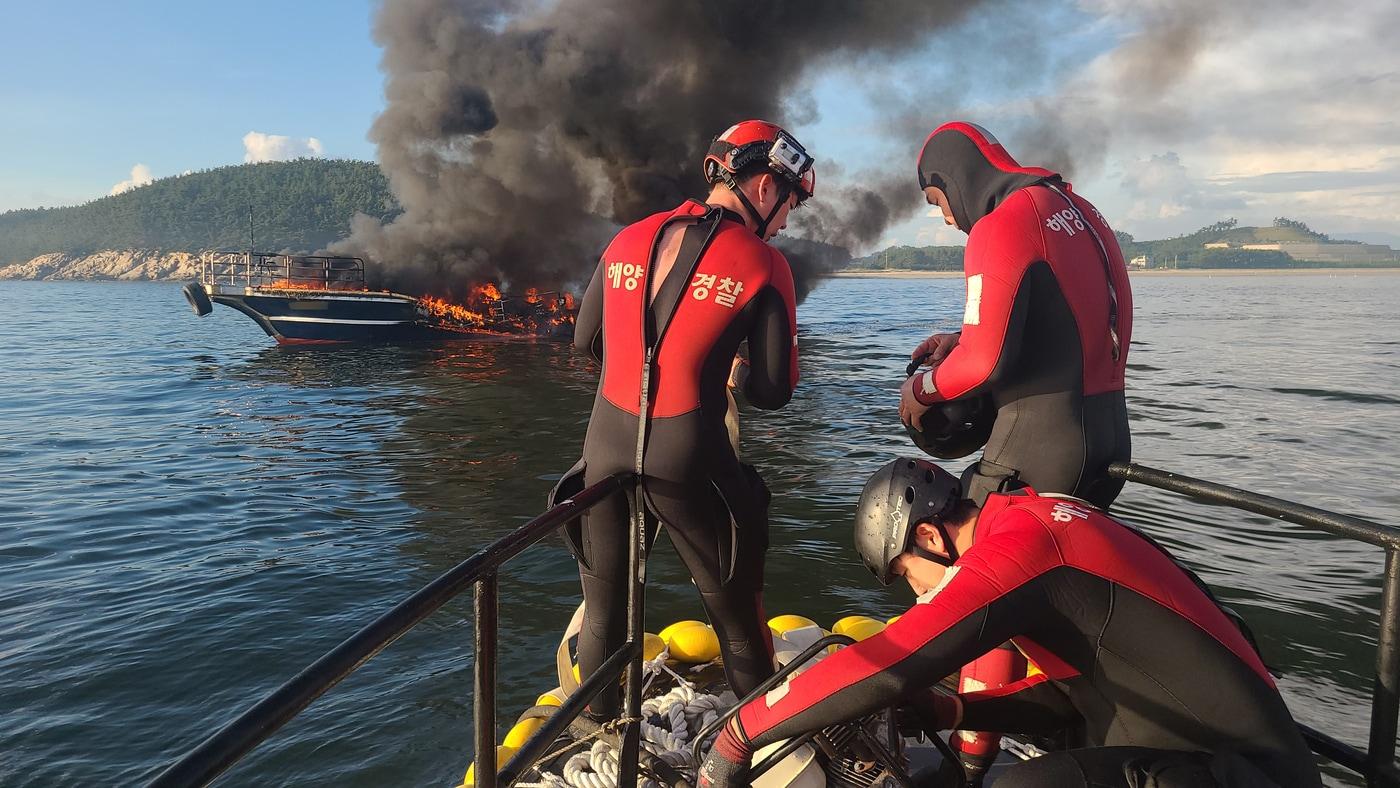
(588, 328)
(770, 381)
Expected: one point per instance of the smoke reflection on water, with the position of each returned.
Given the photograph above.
(199, 515)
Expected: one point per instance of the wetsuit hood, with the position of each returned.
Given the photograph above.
(974, 170)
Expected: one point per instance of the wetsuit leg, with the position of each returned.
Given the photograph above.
(603, 574)
(1107, 440)
(1056, 445)
(1112, 767)
(1134, 767)
(735, 608)
(993, 670)
(984, 477)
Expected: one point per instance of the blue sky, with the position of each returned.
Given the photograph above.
(1260, 120)
(91, 89)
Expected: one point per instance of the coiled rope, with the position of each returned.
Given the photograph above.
(668, 722)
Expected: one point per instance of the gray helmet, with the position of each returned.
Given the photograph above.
(898, 497)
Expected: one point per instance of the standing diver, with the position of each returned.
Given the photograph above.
(683, 288)
(1046, 326)
(1037, 372)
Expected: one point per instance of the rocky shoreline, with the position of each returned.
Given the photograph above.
(128, 265)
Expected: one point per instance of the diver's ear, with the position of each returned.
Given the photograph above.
(930, 538)
(767, 187)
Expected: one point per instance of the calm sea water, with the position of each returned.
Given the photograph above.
(189, 514)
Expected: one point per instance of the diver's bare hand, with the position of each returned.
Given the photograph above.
(936, 347)
(738, 373)
(911, 410)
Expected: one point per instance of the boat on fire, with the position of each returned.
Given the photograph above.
(312, 299)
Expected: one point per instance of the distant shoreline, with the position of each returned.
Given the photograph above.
(911, 274)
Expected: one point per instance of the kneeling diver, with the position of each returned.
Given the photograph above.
(1133, 649)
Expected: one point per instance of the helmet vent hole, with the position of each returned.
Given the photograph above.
(928, 477)
(908, 494)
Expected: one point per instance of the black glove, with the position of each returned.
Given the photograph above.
(727, 765)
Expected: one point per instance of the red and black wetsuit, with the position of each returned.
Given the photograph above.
(1039, 330)
(726, 287)
(1130, 646)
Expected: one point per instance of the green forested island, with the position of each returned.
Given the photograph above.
(304, 205)
(1225, 244)
(297, 205)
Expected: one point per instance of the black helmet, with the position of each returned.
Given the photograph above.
(955, 428)
(898, 497)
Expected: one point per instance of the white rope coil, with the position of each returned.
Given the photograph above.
(668, 723)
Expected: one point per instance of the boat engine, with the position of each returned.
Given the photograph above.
(866, 753)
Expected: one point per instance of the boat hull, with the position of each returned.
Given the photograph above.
(322, 317)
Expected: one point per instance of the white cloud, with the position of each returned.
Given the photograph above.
(935, 233)
(258, 146)
(1283, 109)
(1162, 188)
(140, 176)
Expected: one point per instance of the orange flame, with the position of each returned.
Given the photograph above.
(486, 291)
(312, 284)
(288, 284)
(436, 307)
(486, 310)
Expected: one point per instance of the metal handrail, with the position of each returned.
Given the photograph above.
(220, 751)
(214, 755)
(270, 270)
(1377, 763)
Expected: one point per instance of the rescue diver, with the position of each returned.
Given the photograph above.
(1133, 647)
(684, 288)
(1046, 325)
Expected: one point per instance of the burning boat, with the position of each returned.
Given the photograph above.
(304, 299)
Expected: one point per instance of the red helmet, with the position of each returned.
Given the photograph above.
(752, 141)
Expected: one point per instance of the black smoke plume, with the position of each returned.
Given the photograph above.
(518, 135)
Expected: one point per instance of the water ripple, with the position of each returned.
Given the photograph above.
(196, 514)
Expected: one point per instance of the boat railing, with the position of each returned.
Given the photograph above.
(223, 749)
(1377, 763)
(269, 271)
(201, 765)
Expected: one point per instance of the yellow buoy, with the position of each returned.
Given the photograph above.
(503, 754)
(577, 678)
(522, 730)
(651, 646)
(781, 624)
(695, 643)
(666, 633)
(840, 626)
(892, 620)
(548, 699)
(861, 630)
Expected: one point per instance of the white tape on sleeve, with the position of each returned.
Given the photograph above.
(972, 314)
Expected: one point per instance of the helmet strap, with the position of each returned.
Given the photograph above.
(929, 555)
(784, 191)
